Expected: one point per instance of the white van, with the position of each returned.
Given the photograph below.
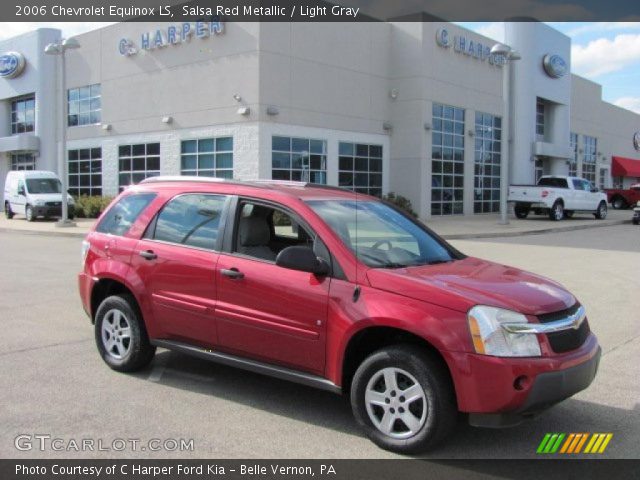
(34, 194)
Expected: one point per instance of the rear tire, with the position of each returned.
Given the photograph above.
(28, 212)
(557, 211)
(521, 212)
(619, 203)
(403, 398)
(121, 336)
(7, 211)
(601, 212)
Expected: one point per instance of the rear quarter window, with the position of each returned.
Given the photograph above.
(121, 216)
(553, 182)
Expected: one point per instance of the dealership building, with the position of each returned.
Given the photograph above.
(419, 109)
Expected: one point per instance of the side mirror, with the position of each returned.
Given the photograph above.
(22, 192)
(303, 259)
(594, 190)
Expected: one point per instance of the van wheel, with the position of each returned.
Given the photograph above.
(7, 211)
(121, 336)
(29, 213)
(601, 212)
(557, 211)
(403, 399)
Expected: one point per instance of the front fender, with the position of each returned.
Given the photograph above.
(444, 329)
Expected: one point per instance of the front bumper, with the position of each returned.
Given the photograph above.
(504, 391)
(50, 211)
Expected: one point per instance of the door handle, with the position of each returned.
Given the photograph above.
(232, 273)
(148, 254)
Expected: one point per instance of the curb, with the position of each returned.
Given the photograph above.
(40, 233)
(569, 228)
(455, 236)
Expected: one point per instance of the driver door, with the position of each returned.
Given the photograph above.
(19, 198)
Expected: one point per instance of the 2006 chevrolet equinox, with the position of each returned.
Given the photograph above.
(335, 290)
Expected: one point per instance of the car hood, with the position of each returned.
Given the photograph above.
(461, 284)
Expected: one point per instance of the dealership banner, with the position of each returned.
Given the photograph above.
(132, 469)
(316, 10)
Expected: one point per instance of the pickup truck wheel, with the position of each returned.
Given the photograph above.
(619, 203)
(557, 211)
(601, 212)
(28, 212)
(121, 336)
(403, 399)
(521, 212)
(7, 211)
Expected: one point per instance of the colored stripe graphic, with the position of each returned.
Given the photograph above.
(550, 443)
(572, 443)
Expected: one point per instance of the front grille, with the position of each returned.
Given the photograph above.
(565, 340)
(53, 204)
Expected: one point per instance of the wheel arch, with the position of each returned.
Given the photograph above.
(106, 287)
(371, 338)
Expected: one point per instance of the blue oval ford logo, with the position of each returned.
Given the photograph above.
(11, 64)
(555, 66)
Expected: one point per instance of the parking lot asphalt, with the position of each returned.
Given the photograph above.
(54, 382)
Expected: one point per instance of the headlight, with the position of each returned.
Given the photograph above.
(489, 338)
(39, 203)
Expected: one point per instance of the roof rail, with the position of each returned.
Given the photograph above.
(182, 178)
(265, 183)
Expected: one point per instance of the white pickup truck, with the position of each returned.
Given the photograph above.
(559, 197)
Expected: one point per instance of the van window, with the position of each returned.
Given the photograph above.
(43, 185)
(192, 220)
(121, 216)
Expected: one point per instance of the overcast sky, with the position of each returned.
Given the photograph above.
(605, 52)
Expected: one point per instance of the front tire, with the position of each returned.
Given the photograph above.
(403, 399)
(7, 211)
(557, 211)
(28, 212)
(121, 336)
(601, 212)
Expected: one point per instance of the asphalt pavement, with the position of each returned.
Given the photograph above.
(54, 382)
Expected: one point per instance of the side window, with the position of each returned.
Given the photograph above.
(264, 231)
(121, 216)
(577, 184)
(192, 220)
(21, 189)
(586, 185)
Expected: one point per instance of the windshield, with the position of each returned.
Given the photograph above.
(379, 235)
(44, 185)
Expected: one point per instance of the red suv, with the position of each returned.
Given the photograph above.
(335, 290)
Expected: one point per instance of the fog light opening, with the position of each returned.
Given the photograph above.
(521, 383)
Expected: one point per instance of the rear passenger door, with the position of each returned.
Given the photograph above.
(176, 261)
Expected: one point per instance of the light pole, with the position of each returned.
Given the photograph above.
(509, 55)
(59, 49)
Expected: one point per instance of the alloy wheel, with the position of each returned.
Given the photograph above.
(116, 334)
(396, 403)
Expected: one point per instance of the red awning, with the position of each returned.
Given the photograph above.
(625, 167)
